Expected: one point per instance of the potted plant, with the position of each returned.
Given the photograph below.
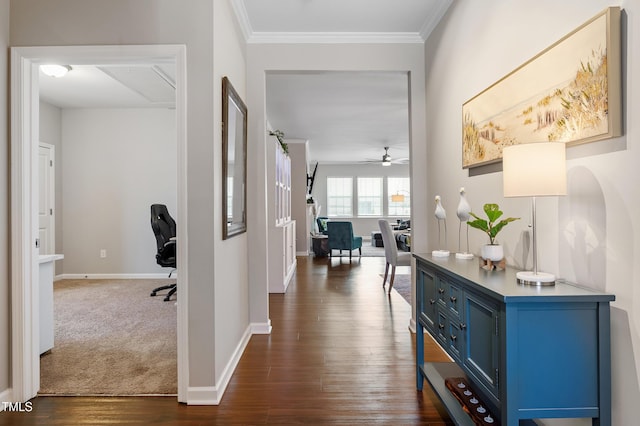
(491, 251)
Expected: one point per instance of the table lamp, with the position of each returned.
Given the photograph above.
(535, 170)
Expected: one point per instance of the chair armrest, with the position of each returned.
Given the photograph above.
(169, 248)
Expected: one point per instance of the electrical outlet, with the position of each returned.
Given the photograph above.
(103, 253)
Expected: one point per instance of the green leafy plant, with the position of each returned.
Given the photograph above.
(279, 134)
(490, 227)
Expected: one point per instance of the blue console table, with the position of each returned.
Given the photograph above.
(529, 352)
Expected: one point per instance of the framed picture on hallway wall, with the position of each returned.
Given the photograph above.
(570, 92)
(234, 162)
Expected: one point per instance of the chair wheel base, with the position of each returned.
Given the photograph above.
(172, 290)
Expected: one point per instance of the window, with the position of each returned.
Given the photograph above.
(339, 196)
(375, 196)
(399, 186)
(370, 196)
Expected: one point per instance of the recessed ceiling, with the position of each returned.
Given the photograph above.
(114, 86)
(347, 117)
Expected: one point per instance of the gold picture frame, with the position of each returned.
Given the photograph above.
(570, 92)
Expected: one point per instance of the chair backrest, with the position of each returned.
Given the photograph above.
(340, 234)
(322, 224)
(389, 242)
(164, 228)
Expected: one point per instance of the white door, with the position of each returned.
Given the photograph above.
(46, 199)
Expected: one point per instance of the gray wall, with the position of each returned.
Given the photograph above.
(115, 164)
(590, 235)
(193, 23)
(112, 165)
(5, 278)
(301, 57)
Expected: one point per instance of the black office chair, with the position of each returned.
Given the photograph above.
(164, 228)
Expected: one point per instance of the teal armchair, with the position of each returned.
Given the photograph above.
(341, 238)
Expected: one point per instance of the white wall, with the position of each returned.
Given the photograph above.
(231, 261)
(361, 226)
(480, 42)
(5, 278)
(210, 261)
(115, 164)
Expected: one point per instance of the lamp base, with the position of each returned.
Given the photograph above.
(440, 253)
(538, 279)
(465, 256)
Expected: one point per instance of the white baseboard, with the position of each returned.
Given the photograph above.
(212, 395)
(412, 325)
(5, 396)
(261, 328)
(303, 253)
(202, 395)
(114, 276)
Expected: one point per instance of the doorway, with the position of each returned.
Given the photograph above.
(24, 199)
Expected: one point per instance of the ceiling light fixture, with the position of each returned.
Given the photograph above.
(54, 70)
(386, 158)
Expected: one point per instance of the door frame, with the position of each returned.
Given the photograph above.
(25, 359)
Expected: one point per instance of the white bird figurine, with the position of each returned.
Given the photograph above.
(441, 215)
(463, 207)
(463, 214)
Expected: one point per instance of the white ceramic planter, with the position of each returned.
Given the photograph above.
(493, 252)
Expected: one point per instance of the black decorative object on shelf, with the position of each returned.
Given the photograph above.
(311, 179)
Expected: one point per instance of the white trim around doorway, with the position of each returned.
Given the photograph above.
(25, 362)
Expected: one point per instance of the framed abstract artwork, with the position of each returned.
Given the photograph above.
(570, 92)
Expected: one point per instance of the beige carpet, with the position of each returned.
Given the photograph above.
(111, 338)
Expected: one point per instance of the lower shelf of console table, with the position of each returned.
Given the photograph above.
(529, 352)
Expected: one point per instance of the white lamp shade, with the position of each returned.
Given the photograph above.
(534, 170)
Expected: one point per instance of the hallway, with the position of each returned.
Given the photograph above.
(340, 353)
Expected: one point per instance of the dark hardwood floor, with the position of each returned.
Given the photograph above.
(340, 353)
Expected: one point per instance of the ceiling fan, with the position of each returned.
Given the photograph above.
(387, 160)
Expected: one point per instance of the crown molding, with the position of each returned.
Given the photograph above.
(256, 37)
(332, 37)
(243, 18)
(430, 24)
